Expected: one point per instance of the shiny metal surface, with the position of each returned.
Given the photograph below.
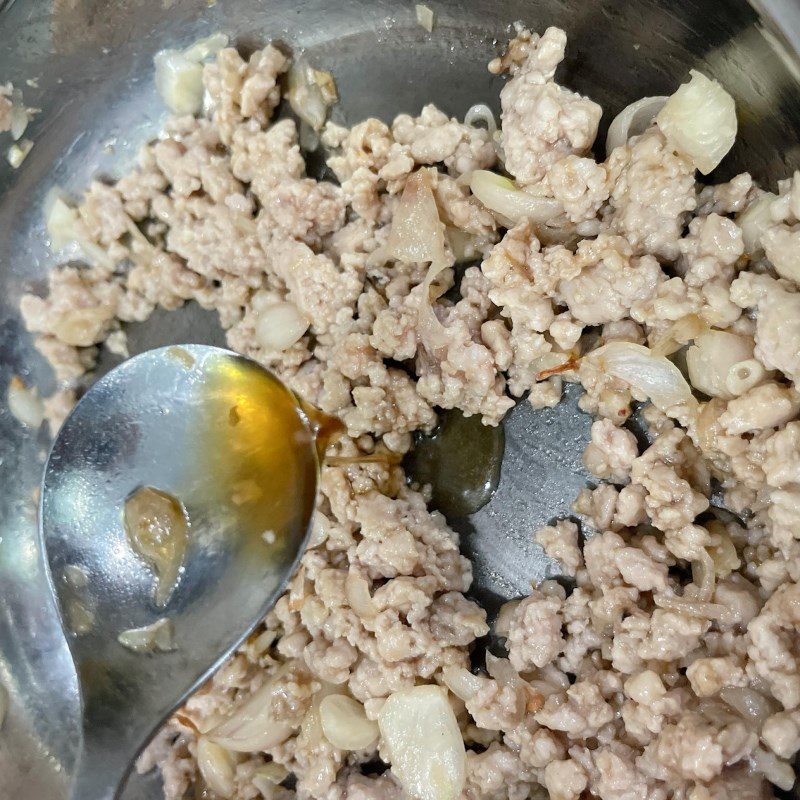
(146, 423)
(92, 59)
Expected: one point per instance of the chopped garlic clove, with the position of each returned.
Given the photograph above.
(357, 591)
(18, 152)
(461, 682)
(279, 326)
(310, 93)
(424, 743)
(25, 404)
(179, 74)
(266, 777)
(345, 724)
(254, 725)
(217, 766)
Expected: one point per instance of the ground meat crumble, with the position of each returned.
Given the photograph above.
(670, 668)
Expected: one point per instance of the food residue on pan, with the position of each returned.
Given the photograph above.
(159, 637)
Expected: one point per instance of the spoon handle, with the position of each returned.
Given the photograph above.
(100, 772)
(115, 726)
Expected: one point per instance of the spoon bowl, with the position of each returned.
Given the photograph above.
(236, 453)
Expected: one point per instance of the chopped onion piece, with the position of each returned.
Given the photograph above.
(699, 121)
(179, 82)
(18, 152)
(417, 234)
(25, 404)
(266, 777)
(155, 638)
(424, 743)
(502, 671)
(634, 119)
(356, 589)
(694, 608)
(179, 74)
(650, 376)
(480, 112)
(254, 725)
(711, 359)
(754, 220)
(704, 577)
(503, 622)
(462, 245)
(345, 724)
(705, 430)
(310, 93)
(509, 203)
(206, 47)
(64, 226)
(681, 332)
(76, 577)
(424, 16)
(461, 682)
(774, 769)
(80, 617)
(217, 766)
(279, 326)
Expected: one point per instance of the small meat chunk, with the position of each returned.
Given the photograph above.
(610, 281)
(611, 452)
(653, 191)
(535, 636)
(542, 121)
(560, 541)
(777, 321)
(774, 648)
(433, 138)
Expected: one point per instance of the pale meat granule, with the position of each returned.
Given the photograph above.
(669, 667)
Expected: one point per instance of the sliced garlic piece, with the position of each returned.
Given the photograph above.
(345, 724)
(217, 766)
(254, 725)
(279, 326)
(424, 743)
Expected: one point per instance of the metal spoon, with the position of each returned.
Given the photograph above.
(211, 429)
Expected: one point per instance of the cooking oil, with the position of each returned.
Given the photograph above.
(461, 461)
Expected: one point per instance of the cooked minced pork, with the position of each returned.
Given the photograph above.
(672, 668)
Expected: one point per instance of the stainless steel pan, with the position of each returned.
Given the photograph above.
(91, 65)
